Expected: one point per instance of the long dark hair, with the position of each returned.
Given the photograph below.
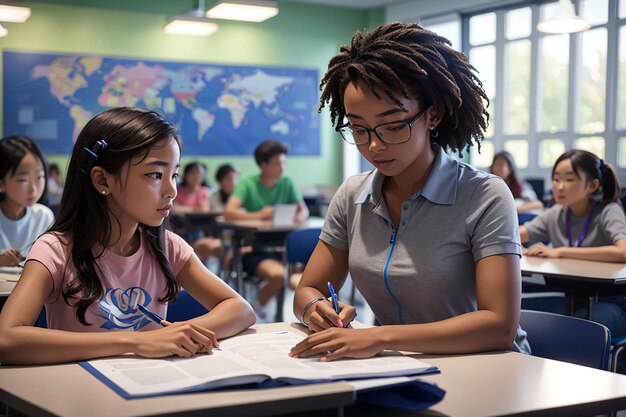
(83, 220)
(587, 164)
(12, 150)
(403, 59)
(513, 181)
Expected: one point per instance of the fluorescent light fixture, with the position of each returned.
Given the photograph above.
(189, 25)
(3, 31)
(246, 10)
(18, 14)
(563, 20)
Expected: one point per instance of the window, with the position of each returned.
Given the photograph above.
(518, 148)
(553, 83)
(551, 93)
(594, 144)
(549, 152)
(485, 157)
(621, 160)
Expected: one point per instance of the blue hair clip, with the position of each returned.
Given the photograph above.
(98, 147)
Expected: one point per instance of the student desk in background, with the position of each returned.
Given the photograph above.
(8, 281)
(185, 224)
(259, 233)
(487, 384)
(576, 276)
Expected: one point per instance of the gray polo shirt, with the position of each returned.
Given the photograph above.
(608, 225)
(427, 273)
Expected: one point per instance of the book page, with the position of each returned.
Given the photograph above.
(270, 351)
(142, 376)
(242, 360)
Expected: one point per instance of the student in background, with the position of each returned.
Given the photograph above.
(194, 196)
(503, 165)
(193, 192)
(22, 189)
(587, 222)
(227, 177)
(253, 198)
(430, 242)
(107, 257)
(55, 185)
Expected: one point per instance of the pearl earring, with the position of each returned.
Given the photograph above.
(104, 192)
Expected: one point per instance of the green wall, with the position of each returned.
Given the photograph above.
(302, 35)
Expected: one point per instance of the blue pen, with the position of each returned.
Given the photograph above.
(333, 295)
(149, 314)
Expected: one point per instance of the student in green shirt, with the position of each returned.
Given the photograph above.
(253, 199)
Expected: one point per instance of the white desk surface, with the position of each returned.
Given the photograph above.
(7, 283)
(610, 272)
(490, 384)
(266, 225)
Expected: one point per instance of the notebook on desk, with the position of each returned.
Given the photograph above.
(284, 214)
(260, 358)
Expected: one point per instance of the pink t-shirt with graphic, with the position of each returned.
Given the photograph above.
(124, 279)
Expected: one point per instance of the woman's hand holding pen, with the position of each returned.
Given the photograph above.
(324, 316)
(183, 339)
(335, 343)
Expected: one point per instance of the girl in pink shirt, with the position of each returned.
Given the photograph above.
(107, 263)
(193, 193)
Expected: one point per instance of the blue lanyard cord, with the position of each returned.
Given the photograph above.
(392, 241)
(583, 232)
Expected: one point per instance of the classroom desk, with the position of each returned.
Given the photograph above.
(261, 232)
(576, 276)
(7, 283)
(488, 384)
(188, 222)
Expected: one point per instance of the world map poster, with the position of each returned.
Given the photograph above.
(218, 109)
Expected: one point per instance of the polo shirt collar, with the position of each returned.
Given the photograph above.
(440, 187)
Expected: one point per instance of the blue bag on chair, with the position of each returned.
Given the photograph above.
(410, 396)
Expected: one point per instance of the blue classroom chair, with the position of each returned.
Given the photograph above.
(299, 245)
(185, 307)
(567, 338)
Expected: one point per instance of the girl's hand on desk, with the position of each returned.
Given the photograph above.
(10, 257)
(543, 251)
(324, 316)
(338, 343)
(183, 339)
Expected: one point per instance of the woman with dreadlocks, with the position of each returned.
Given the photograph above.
(430, 242)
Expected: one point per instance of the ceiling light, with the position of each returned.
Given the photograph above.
(246, 10)
(563, 20)
(9, 13)
(3, 31)
(192, 23)
(189, 25)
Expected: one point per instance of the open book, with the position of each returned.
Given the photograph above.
(241, 360)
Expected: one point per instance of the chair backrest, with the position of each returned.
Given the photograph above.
(184, 308)
(300, 243)
(567, 339)
(525, 217)
(538, 186)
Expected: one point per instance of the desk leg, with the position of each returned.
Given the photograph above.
(238, 264)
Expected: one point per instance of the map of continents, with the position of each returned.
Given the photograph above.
(219, 109)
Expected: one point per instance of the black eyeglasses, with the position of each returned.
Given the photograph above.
(390, 133)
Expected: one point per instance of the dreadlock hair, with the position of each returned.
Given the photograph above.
(403, 59)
